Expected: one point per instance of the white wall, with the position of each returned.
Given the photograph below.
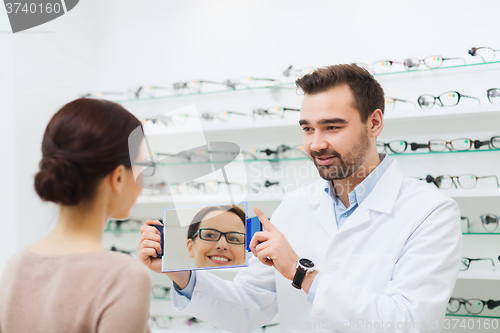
(41, 70)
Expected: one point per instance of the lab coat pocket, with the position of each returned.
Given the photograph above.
(372, 272)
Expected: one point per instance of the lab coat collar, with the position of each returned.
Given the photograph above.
(381, 199)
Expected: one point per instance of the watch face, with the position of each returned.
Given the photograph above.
(306, 263)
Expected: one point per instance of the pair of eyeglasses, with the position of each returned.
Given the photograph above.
(489, 222)
(159, 291)
(486, 54)
(124, 225)
(396, 146)
(472, 306)
(132, 253)
(222, 156)
(284, 151)
(162, 322)
(213, 235)
(222, 115)
(493, 142)
(493, 95)
(178, 119)
(466, 181)
(465, 262)
(257, 187)
(275, 112)
(449, 98)
(297, 72)
(433, 61)
(390, 103)
(461, 144)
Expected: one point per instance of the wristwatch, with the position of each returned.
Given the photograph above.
(304, 266)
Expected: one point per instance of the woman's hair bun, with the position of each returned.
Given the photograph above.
(59, 181)
(83, 142)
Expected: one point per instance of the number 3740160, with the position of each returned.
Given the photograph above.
(471, 324)
(32, 8)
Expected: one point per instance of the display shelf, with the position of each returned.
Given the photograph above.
(153, 199)
(481, 233)
(471, 316)
(160, 299)
(479, 275)
(472, 193)
(291, 85)
(424, 69)
(445, 152)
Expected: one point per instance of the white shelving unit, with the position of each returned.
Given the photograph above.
(413, 125)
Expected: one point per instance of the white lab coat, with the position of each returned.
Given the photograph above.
(395, 260)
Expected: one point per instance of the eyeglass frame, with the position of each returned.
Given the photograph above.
(198, 233)
(387, 145)
(462, 301)
(438, 98)
(414, 146)
(433, 180)
(423, 60)
(470, 260)
(478, 143)
(265, 112)
(397, 100)
(473, 51)
(488, 94)
(482, 217)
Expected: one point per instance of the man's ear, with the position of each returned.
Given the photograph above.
(117, 178)
(190, 248)
(376, 123)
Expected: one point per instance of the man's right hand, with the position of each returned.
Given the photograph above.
(149, 245)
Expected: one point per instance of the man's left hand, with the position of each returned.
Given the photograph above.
(272, 248)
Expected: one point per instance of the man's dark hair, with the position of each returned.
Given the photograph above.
(367, 92)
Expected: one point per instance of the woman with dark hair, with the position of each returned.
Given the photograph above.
(67, 282)
(216, 236)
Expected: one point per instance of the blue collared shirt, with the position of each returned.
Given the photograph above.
(342, 213)
(356, 197)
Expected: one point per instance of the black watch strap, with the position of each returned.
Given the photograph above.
(299, 276)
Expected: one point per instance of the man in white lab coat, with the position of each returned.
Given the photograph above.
(378, 251)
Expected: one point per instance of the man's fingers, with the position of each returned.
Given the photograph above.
(263, 219)
(148, 228)
(257, 238)
(151, 236)
(153, 222)
(150, 244)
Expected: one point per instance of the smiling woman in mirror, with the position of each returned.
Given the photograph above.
(216, 237)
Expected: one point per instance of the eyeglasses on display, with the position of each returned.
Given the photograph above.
(284, 151)
(124, 225)
(493, 95)
(384, 66)
(396, 146)
(493, 142)
(390, 103)
(162, 322)
(297, 72)
(472, 306)
(466, 181)
(461, 144)
(132, 253)
(213, 235)
(449, 98)
(489, 222)
(486, 54)
(256, 187)
(465, 262)
(222, 115)
(274, 112)
(159, 291)
(433, 61)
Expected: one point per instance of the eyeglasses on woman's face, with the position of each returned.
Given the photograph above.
(213, 235)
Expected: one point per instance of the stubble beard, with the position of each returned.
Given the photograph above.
(346, 165)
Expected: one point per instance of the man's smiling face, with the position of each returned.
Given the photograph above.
(334, 136)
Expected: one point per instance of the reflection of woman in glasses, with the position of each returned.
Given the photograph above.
(216, 236)
(86, 170)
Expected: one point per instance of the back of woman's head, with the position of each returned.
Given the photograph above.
(83, 142)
